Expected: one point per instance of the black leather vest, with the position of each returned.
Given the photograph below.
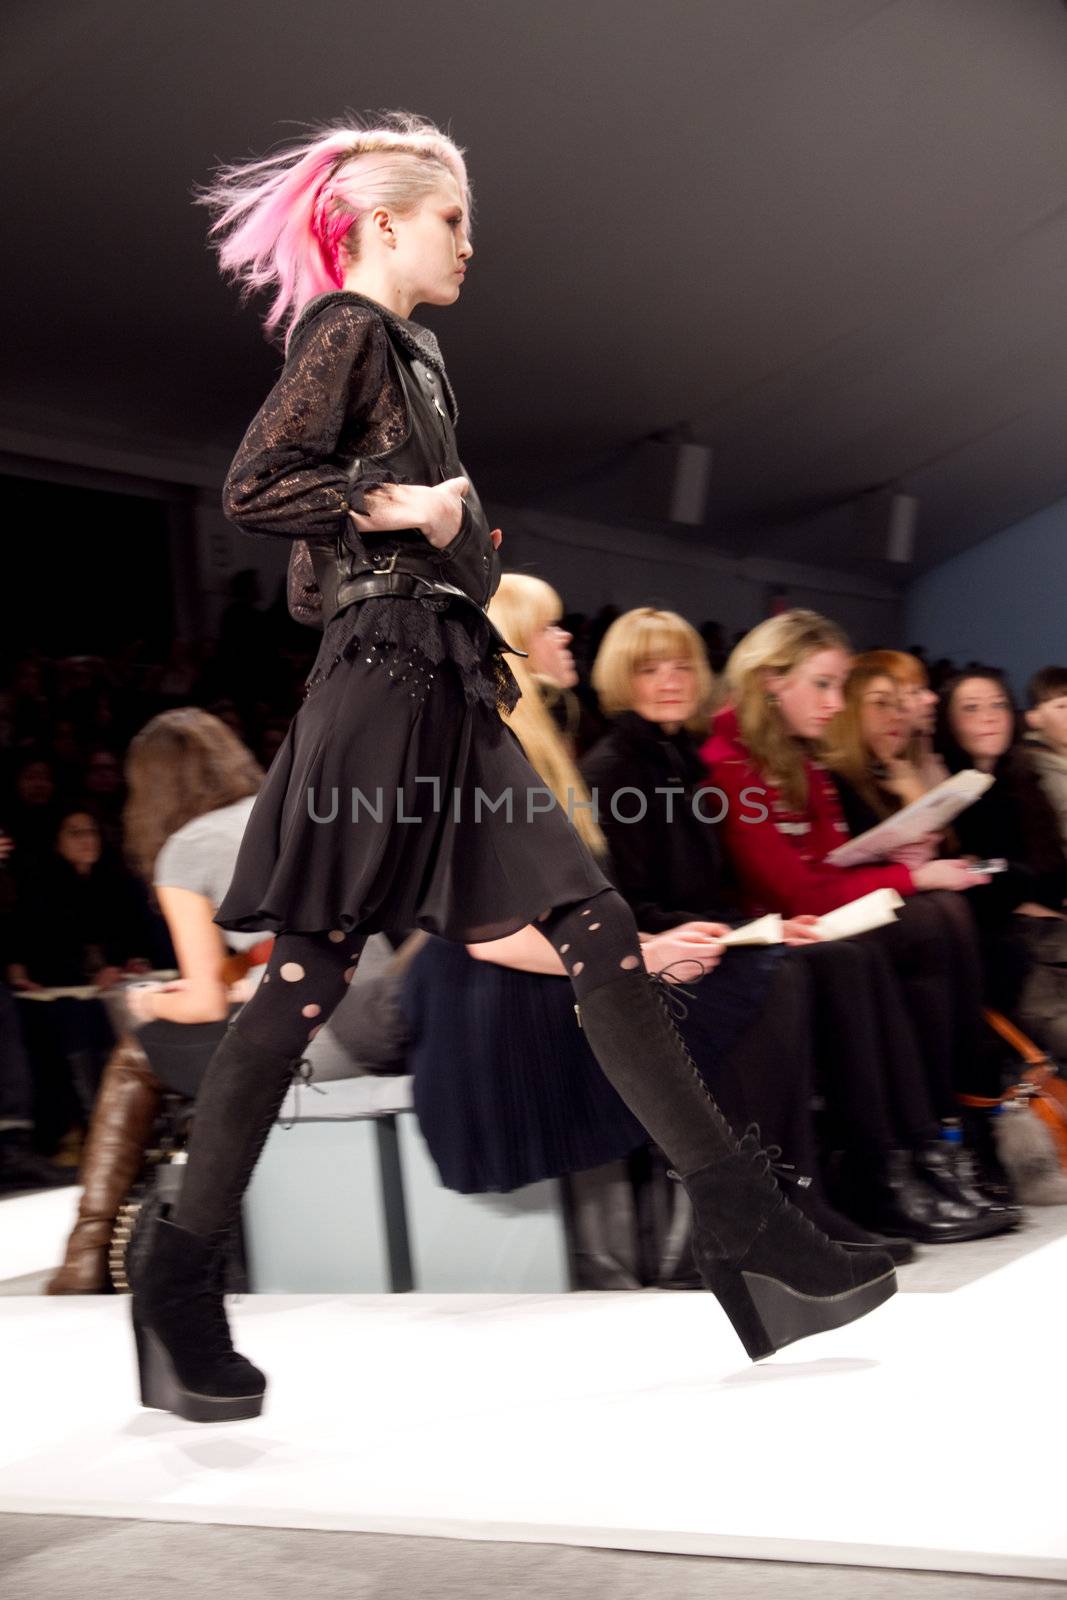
(426, 455)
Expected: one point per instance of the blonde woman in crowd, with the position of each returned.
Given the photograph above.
(786, 687)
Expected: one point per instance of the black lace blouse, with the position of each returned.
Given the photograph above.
(338, 398)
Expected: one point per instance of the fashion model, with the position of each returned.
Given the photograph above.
(399, 797)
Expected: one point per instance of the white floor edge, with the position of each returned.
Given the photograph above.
(627, 1422)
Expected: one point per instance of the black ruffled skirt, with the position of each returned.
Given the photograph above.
(396, 801)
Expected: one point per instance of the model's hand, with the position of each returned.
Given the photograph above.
(947, 875)
(801, 930)
(436, 512)
(695, 946)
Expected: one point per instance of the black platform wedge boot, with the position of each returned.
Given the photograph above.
(777, 1277)
(185, 1355)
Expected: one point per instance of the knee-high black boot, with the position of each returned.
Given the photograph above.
(185, 1356)
(777, 1277)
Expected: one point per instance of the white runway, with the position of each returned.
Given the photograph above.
(912, 1439)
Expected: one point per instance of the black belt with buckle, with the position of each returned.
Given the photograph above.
(409, 586)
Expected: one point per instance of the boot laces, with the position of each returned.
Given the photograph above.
(303, 1075)
(769, 1158)
(668, 991)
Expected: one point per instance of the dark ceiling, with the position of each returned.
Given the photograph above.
(830, 236)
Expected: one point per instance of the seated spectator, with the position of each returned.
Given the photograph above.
(81, 917)
(782, 818)
(1046, 738)
(670, 864)
(1020, 911)
(530, 607)
(31, 815)
(785, 682)
(192, 785)
(103, 793)
(919, 703)
(866, 749)
(20, 1165)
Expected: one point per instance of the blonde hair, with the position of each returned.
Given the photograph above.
(776, 648)
(644, 635)
(521, 606)
(291, 221)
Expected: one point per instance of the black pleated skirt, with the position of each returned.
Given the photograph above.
(394, 803)
(506, 1089)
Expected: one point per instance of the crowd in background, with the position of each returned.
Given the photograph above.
(640, 699)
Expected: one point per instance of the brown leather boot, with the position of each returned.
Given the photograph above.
(126, 1106)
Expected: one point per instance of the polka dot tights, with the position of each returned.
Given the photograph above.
(595, 939)
(305, 980)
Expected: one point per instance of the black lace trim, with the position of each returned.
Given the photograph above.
(426, 631)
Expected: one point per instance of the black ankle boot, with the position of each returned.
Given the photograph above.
(775, 1274)
(844, 1231)
(185, 1356)
(947, 1167)
(890, 1194)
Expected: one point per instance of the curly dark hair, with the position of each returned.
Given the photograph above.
(180, 765)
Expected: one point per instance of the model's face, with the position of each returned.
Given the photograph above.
(812, 694)
(666, 691)
(920, 706)
(1050, 720)
(549, 655)
(883, 720)
(432, 248)
(981, 717)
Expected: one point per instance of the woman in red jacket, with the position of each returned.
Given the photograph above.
(781, 819)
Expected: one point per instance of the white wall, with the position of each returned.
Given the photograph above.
(1004, 602)
(592, 565)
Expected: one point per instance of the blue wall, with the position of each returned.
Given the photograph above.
(1004, 602)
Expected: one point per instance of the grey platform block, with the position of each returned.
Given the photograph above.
(314, 1214)
(480, 1243)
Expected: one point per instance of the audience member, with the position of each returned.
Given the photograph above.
(919, 702)
(1020, 911)
(782, 818)
(822, 1008)
(191, 787)
(1046, 738)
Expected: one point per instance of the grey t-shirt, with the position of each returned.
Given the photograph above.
(201, 856)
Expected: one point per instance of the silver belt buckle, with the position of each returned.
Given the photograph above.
(389, 565)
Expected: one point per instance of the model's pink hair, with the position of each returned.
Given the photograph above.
(285, 222)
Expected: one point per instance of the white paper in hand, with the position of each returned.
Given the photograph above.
(931, 813)
(765, 930)
(872, 910)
